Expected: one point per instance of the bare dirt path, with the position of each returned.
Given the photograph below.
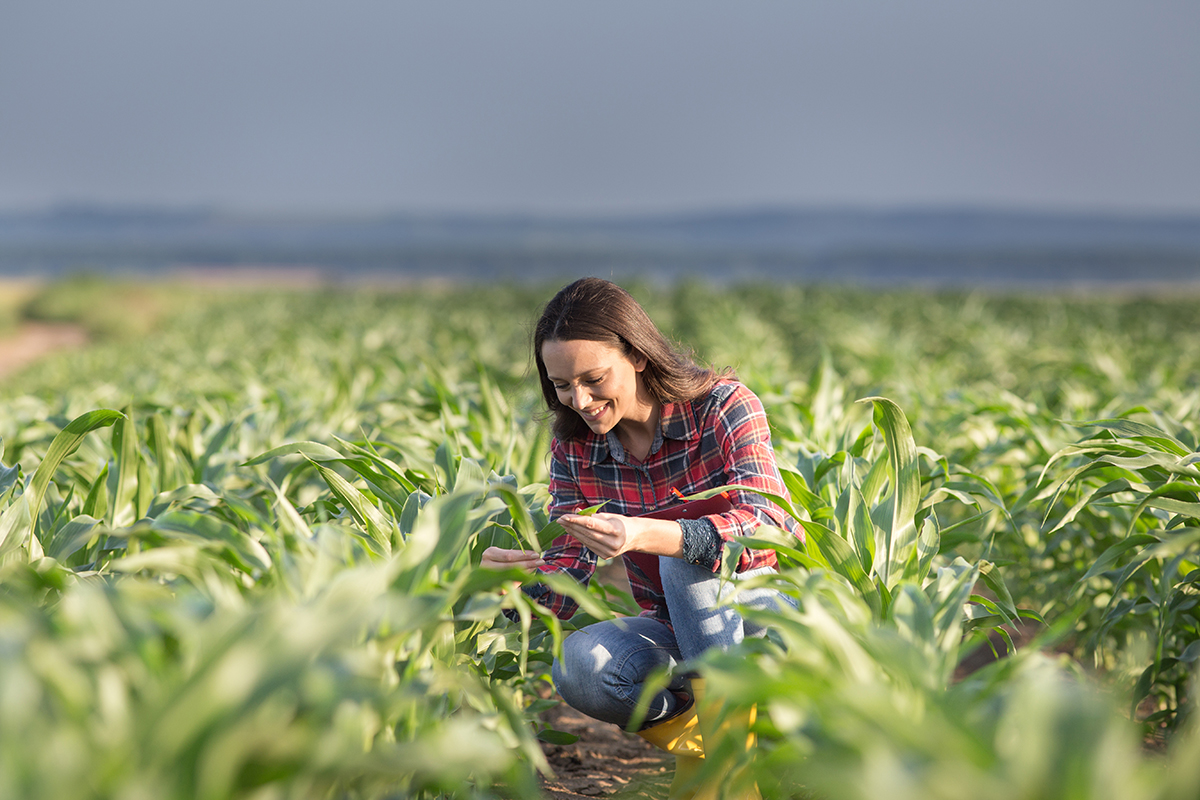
(605, 762)
(33, 340)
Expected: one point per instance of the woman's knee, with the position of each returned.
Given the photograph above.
(583, 674)
(582, 663)
(603, 666)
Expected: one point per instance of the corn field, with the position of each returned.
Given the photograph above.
(240, 535)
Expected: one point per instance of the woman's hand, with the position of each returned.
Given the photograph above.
(606, 535)
(501, 559)
(610, 535)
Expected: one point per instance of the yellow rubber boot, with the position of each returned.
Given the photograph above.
(683, 737)
(680, 736)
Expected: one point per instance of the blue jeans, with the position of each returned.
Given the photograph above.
(604, 666)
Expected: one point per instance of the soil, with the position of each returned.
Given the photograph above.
(605, 762)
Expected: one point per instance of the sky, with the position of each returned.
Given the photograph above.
(616, 107)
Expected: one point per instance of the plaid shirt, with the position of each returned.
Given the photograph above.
(713, 441)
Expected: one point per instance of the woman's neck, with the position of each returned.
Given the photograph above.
(637, 432)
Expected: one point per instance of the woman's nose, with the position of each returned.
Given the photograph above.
(579, 398)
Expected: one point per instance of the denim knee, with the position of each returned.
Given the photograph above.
(578, 673)
(604, 667)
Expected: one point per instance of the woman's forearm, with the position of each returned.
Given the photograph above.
(659, 537)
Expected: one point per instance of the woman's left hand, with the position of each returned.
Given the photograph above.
(610, 535)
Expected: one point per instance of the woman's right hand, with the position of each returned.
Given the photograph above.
(501, 559)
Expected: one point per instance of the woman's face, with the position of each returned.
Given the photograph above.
(598, 381)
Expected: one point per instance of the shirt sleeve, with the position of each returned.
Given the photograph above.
(744, 439)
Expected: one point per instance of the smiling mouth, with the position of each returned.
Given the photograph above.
(591, 415)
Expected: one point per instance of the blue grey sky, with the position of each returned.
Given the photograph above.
(620, 106)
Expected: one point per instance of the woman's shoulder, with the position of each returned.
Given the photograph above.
(728, 390)
(729, 403)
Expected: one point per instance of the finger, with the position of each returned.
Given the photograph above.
(593, 540)
(597, 544)
(588, 524)
(511, 556)
(501, 566)
(575, 527)
(499, 554)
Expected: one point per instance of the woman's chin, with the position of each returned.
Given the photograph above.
(598, 427)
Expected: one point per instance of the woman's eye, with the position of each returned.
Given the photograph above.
(594, 381)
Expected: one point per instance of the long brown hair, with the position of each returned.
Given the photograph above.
(593, 309)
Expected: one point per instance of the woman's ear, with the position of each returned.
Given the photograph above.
(639, 361)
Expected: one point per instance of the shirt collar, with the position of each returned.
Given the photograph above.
(677, 422)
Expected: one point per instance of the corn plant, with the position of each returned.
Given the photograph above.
(870, 518)
(1135, 488)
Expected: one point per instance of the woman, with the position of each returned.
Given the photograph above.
(635, 423)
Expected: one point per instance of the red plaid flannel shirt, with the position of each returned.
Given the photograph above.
(713, 441)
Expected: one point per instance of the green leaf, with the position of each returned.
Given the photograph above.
(1158, 499)
(928, 546)
(159, 440)
(121, 511)
(363, 511)
(1109, 557)
(71, 537)
(14, 526)
(1191, 653)
(96, 502)
(65, 443)
(553, 530)
(412, 508)
(448, 461)
(522, 521)
(816, 507)
(991, 577)
(239, 549)
(906, 483)
(1141, 431)
(950, 592)
(557, 737)
(313, 451)
(834, 553)
(8, 477)
(182, 497)
(385, 466)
